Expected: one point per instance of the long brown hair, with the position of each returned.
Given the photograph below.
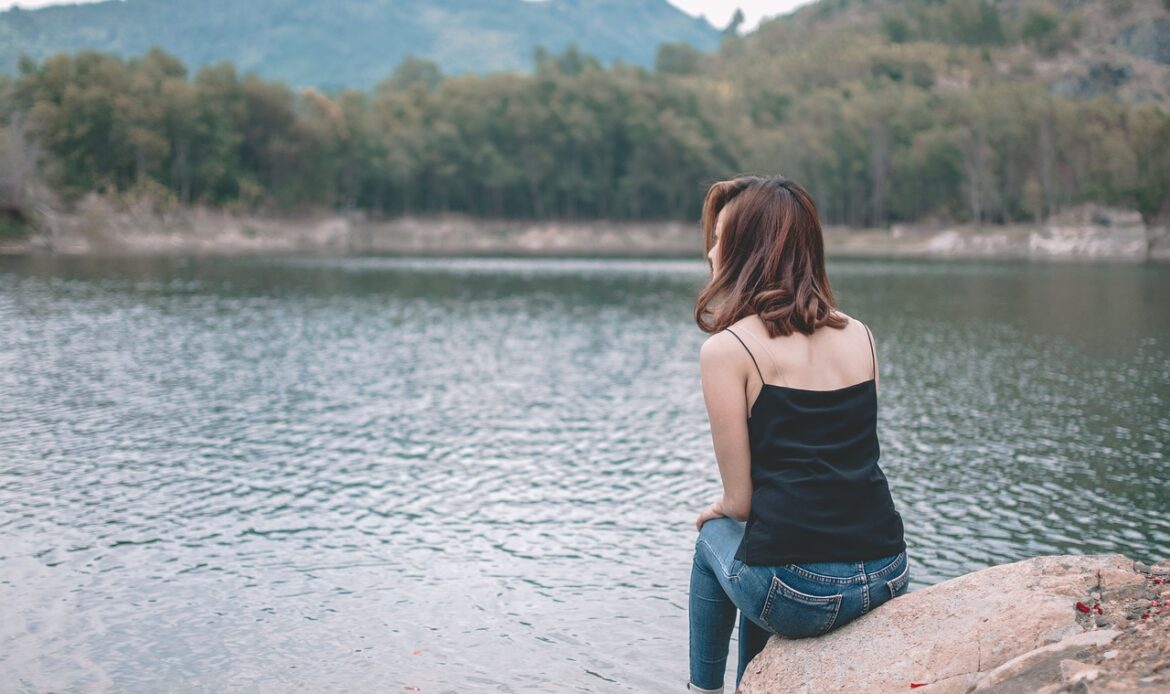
(771, 258)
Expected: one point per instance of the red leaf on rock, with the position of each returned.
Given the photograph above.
(1082, 607)
(916, 685)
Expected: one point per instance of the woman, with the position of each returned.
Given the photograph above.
(805, 536)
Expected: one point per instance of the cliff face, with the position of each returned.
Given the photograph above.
(1040, 625)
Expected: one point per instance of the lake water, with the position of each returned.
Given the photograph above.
(353, 474)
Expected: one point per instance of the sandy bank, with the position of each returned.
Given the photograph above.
(96, 227)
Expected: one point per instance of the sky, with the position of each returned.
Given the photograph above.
(718, 12)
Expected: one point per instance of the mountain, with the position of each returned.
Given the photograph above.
(353, 43)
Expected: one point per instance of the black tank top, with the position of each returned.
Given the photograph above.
(817, 491)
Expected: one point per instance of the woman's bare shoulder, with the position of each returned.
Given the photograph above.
(844, 315)
(852, 323)
(717, 344)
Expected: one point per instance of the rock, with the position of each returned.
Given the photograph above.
(1159, 241)
(1118, 585)
(1107, 233)
(1030, 670)
(1075, 671)
(953, 635)
(1061, 633)
(1096, 79)
(1149, 40)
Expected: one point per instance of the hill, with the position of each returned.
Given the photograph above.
(353, 43)
(1078, 48)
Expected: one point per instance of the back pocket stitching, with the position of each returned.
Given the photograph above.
(778, 585)
(900, 580)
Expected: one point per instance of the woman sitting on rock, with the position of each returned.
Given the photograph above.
(805, 537)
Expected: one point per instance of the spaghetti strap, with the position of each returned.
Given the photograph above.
(872, 351)
(761, 373)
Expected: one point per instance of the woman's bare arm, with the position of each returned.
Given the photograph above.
(724, 376)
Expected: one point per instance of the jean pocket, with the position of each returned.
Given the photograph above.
(898, 584)
(794, 615)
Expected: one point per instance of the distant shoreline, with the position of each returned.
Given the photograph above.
(97, 228)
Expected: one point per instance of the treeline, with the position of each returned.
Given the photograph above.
(879, 130)
(572, 140)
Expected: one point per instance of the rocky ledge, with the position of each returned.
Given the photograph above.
(1048, 624)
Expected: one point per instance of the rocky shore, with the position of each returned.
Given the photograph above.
(95, 227)
(1046, 625)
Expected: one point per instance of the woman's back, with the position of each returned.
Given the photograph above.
(818, 492)
(829, 359)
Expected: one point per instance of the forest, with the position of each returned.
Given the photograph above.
(935, 117)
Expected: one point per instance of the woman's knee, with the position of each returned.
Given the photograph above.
(722, 528)
(711, 539)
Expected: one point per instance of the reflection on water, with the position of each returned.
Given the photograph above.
(482, 474)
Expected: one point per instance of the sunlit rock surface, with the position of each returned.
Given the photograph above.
(1007, 628)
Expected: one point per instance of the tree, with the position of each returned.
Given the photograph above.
(414, 71)
(18, 162)
(736, 22)
(677, 59)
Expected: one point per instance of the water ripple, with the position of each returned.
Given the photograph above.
(365, 473)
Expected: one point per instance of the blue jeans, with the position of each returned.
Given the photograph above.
(791, 600)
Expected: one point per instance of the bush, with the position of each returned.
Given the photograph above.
(896, 29)
(677, 59)
(14, 225)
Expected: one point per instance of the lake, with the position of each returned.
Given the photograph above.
(482, 474)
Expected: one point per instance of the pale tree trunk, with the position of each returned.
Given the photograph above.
(879, 170)
(18, 164)
(1045, 165)
(974, 166)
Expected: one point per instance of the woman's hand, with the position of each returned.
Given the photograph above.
(715, 510)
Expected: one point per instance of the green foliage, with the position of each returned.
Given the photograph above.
(1043, 27)
(879, 130)
(896, 27)
(736, 22)
(1119, 8)
(571, 62)
(13, 229)
(677, 59)
(968, 22)
(412, 71)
